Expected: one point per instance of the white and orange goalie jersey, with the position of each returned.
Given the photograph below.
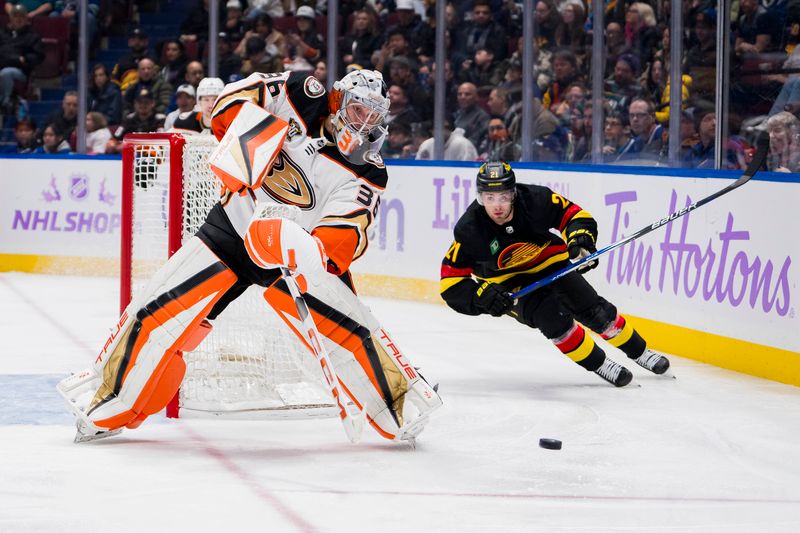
(337, 198)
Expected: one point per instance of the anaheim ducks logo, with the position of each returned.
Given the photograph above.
(519, 255)
(287, 184)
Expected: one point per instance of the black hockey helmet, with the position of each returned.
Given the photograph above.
(494, 176)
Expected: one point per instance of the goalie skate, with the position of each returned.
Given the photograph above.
(77, 391)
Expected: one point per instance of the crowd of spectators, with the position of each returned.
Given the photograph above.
(483, 93)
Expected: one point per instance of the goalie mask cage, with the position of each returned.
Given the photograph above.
(251, 365)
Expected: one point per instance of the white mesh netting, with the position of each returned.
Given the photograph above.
(251, 363)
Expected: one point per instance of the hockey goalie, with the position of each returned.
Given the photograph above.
(301, 181)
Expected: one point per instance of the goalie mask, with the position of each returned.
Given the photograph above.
(495, 177)
(358, 105)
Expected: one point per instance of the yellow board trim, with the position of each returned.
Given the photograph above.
(733, 354)
(46, 264)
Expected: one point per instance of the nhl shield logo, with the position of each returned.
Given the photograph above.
(79, 187)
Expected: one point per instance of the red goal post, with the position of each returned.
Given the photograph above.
(251, 365)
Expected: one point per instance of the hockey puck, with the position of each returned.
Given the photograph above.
(550, 444)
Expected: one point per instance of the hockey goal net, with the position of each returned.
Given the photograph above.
(251, 364)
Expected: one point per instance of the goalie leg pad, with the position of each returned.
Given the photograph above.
(140, 368)
(374, 373)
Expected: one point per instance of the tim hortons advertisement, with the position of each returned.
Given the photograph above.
(727, 267)
(60, 207)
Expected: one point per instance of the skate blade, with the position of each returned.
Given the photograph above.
(82, 437)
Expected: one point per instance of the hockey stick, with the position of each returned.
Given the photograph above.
(353, 422)
(762, 142)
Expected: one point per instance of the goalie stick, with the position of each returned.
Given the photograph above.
(762, 142)
(353, 422)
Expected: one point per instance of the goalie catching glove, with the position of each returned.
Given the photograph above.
(493, 299)
(580, 244)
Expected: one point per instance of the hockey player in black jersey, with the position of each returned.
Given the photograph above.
(504, 242)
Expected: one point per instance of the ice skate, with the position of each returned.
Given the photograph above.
(85, 433)
(614, 373)
(652, 361)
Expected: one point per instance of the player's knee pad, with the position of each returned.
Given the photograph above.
(599, 316)
(545, 313)
(140, 367)
(280, 242)
(374, 372)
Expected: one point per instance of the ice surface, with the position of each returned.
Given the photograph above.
(710, 451)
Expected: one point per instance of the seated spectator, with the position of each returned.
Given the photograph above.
(549, 138)
(615, 46)
(156, 87)
(498, 143)
(396, 144)
(195, 71)
(234, 20)
(759, 30)
(25, 135)
(784, 143)
(396, 46)
(175, 61)
(200, 121)
(575, 37)
(144, 119)
(401, 73)
(104, 95)
(408, 21)
(470, 117)
(362, 41)
(125, 72)
(623, 86)
(482, 70)
(701, 155)
(689, 136)
(551, 26)
(33, 8)
(641, 35)
(701, 58)
(69, 9)
(97, 134)
(229, 63)
(186, 101)
(499, 104)
(565, 73)
(649, 140)
(257, 59)
(20, 50)
(274, 41)
(305, 45)
(579, 135)
(321, 71)
(615, 136)
(483, 32)
(450, 89)
(574, 96)
(53, 141)
(66, 118)
(400, 109)
(456, 146)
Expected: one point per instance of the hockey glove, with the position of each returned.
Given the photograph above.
(580, 244)
(491, 298)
